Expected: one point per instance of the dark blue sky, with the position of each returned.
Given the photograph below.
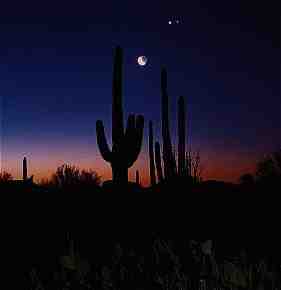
(56, 72)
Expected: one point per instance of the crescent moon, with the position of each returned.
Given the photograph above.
(142, 60)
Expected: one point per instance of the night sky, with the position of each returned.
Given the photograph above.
(56, 74)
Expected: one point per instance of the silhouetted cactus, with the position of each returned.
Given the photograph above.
(151, 155)
(158, 162)
(126, 145)
(174, 152)
(181, 137)
(182, 167)
(24, 169)
(137, 178)
(168, 158)
(188, 163)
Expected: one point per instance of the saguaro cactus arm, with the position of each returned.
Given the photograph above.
(102, 143)
(134, 141)
(131, 127)
(139, 133)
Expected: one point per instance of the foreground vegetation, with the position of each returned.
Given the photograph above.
(161, 265)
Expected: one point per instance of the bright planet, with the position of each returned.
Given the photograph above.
(142, 60)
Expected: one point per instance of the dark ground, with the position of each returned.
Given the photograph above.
(36, 225)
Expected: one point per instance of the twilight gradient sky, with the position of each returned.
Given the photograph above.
(56, 73)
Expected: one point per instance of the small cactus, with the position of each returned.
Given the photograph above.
(24, 169)
(137, 178)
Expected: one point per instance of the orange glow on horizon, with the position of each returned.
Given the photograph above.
(214, 170)
(227, 165)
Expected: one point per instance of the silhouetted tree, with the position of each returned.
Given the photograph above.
(194, 166)
(5, 177)
(269, 169)
(66, 176)
(89, 178)
(247, 179)
(69, 177)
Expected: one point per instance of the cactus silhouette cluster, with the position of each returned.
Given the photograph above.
(126, 144)
(172, 169)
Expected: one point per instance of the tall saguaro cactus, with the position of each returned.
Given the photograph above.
(181, 136)
(151, 155)
(168, 158)
(126, 145)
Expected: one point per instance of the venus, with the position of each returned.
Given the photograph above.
(142, 60)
